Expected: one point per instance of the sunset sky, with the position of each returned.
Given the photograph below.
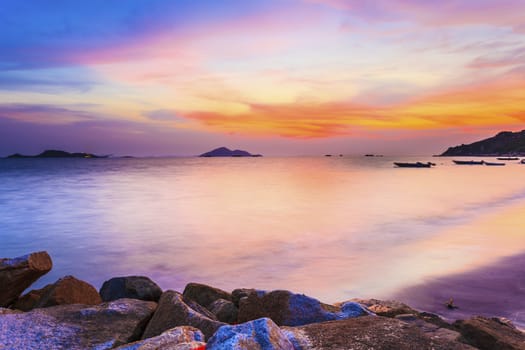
(278, 77)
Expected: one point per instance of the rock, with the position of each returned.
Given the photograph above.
(67, 290)
(4, 311)
(386, 308)
(226, 152)
(364, 333)
(224, 310)
(490, 333)
(238, 294)
(203, 294)
(169, 339)
(76, 326)
(260, 334)
(19, 273)
(288, 309)
(134, 287)
(173, 311)
(431, 330)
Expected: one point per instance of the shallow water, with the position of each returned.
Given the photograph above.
(334, 228)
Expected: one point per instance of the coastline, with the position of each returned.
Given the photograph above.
(133, 312)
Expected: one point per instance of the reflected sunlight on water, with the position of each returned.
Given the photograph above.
(334, 228)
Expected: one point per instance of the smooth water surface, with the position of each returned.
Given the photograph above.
(333, 228)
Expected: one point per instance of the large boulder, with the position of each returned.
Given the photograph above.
(103, 326)
(203, 294)
(238, 294)
(387, 308)
(175, 311)
(170, 339)
(67, 290)
(289, 309)
(491, 333)
(364, 333)
(262, 334)
(134, 287)
(19, 273)
(224, 310)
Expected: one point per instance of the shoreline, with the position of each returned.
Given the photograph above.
(133, 312)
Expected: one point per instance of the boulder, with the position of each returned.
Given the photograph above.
(224, 310)
(203, 294)
(364, 333)
(169, 340)
(19, 273)
(431, 330)
(173, 311)
(103, 326)
(261, 334)
(490, 333)
(67, 290)
(240, 293)
(134, 287)
(386, 308)
(289, 309)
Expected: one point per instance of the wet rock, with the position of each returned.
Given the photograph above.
(386, 308)
(364, 333)
(289, 309)
(76, 326)
(17, 274)
(203, 294)
(224, 310)
(134, 287)
(67, 290)
(490, 333)
(173, 311)
(183, 336)
(261, 334)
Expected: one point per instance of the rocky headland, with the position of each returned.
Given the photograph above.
(51, 153)
(134, 313)
(506, 143)
(226, 152)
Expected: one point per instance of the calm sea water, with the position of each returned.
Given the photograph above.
(333, 228)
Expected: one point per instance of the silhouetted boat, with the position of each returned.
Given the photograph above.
(468, 162)
(414, 165)
(507, 158)
(494, 164)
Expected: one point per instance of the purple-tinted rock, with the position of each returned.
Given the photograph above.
(133, 287)
(175, 338)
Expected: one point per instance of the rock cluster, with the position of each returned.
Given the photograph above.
(133, 313)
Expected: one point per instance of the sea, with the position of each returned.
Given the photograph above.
(334, 228)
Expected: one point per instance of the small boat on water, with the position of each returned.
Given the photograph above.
(495, 164)
(414, 165)
(507, 158)
(469, 162)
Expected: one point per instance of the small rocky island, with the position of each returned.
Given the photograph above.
(506, 143)
(51, 153)
(226, 152)
(134, 313)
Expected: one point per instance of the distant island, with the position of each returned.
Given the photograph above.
(51, 153)
(506, 143)
(226, 152)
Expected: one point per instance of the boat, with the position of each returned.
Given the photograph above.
(507, 158)
(414, 165)
(522, 161)
(468, 162)
(494, 164)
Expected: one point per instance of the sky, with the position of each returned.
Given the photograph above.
(278, 77)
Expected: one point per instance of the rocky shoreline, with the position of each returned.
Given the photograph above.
(134, 313)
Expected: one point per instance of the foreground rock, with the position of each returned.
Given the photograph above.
(491, 333)
(19, 273)
(260, 334)
(175, 338)
(67, 290)
(289, 309)
(364, 333)
(174, 310)
(133, 287)
(203, 294)
(76, 326)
